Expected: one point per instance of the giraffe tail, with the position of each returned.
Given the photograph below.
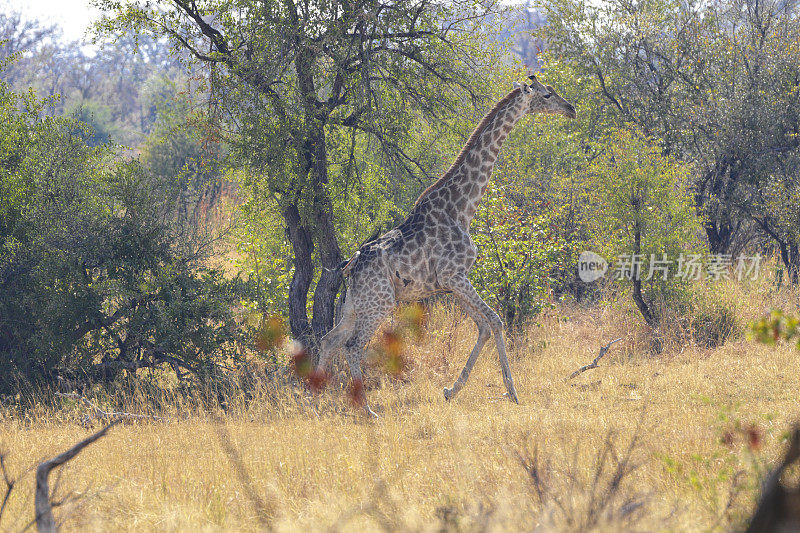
(347, 265)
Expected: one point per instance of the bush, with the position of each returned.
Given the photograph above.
(640, 207)
(713, 318)
(519, 252)
(97, 276)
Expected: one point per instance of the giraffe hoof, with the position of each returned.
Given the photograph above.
(512, 390)
(512, 395)
(448, 393)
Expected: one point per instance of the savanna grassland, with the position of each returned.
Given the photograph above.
(671, 441)
(176, 199)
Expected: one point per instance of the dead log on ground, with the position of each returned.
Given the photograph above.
(593, 364)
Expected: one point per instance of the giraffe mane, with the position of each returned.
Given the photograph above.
(473, 139)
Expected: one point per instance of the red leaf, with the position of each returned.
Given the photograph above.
(356, 393)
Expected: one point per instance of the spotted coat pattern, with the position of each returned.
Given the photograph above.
(432, 251)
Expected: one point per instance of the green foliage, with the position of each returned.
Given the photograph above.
(98, 125)
(365, 203)
(715, 84)
(96, 275)
(264, 256)
(775, 327)
(640, 206)
(178, 147)
(519, 254)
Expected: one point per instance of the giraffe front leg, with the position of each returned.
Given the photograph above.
(335, 338)
(484, 332)
(486, 319)
(332, 341)
(372, 314)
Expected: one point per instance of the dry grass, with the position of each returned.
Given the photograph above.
(292, 462)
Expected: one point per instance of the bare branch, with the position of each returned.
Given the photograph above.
(593, 364)
(9, 484)
(45, 522)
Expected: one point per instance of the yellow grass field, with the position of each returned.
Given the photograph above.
(294, 462)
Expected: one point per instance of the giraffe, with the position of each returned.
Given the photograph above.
(431, 250)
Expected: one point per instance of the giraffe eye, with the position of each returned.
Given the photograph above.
(547, 96)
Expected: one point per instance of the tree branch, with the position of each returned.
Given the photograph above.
(45, 522)
(593, 364)
(190, 8)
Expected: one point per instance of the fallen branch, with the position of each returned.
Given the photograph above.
(593, 364)
(45, 522)
(105, 415)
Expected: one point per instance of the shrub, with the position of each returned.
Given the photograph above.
(97, 276)
(518, 255)
(713, 317)
(640, 207)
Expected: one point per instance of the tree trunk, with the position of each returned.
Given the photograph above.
(302, 247)
(720, 236)
(314, 158)
(329, 281)
(642, 305)
(330, 255)
(637, 284)
(790, 255)
(719, 231)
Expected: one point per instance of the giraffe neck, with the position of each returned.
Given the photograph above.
(460, 190)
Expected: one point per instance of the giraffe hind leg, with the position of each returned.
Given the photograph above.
(338, 336)
(372, 313)
(484, 332)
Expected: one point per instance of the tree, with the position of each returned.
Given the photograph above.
(97, 276)
(641, 212)
(177, 147)
(291, 75)
(98, 125)
(22, 38)
(717, 83)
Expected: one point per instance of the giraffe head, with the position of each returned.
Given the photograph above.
(545, 99)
